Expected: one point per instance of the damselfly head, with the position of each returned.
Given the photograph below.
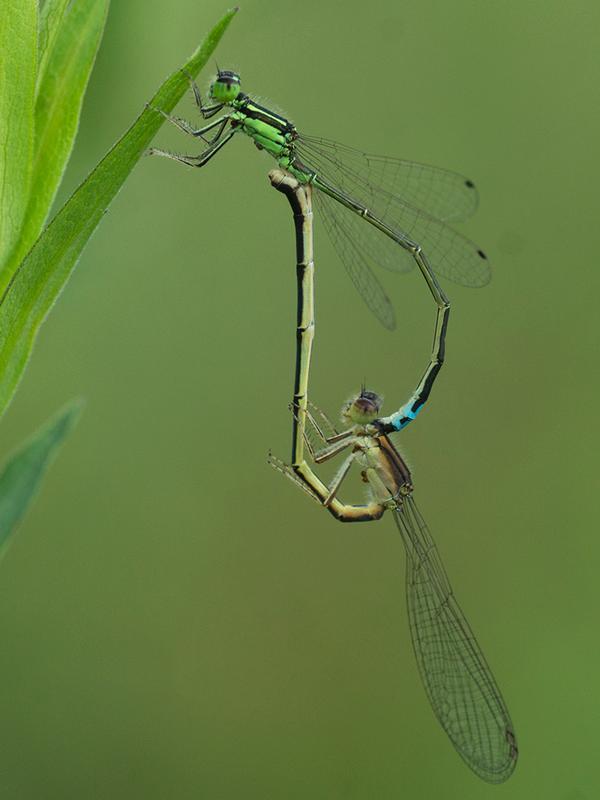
(363, 408)
(225, 87)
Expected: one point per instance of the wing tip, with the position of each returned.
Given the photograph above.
(496, 772)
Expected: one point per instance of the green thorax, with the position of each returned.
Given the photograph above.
(269, 131)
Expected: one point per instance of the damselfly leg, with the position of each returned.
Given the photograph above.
(188, 128)
(206, 111)
(194, 161)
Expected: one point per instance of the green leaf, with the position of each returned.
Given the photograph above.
(61, 88)
(41, 276)
(18, 68)
(22, 473)
(51, 14)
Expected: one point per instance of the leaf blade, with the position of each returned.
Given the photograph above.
(40, 278)
(22, 473)
(57, 110)
(18, 66)
(51, 14)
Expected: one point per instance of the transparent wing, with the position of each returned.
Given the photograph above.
(414, 200)
(446, 195)
(372, 243)
(354, 258)
(460, 686)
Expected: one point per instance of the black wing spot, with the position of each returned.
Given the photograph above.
(481, 254)
(470, 184)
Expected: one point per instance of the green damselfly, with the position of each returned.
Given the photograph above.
(409, 203)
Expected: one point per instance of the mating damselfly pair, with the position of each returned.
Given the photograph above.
(407, 207)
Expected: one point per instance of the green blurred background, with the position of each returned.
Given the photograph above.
(179, 622)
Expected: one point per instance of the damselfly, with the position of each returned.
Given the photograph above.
(408, 203)
(461, 688)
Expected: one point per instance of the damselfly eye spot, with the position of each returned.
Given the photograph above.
(481, 254)
(470, 184)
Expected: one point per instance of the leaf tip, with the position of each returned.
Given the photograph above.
(69, 415)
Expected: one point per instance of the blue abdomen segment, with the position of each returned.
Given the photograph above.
(399, 420)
